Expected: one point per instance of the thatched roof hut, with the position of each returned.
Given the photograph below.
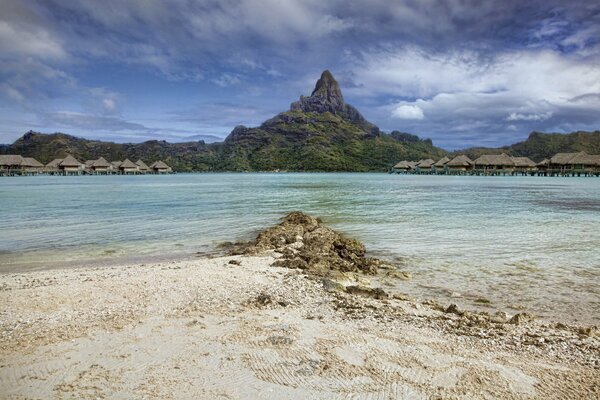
(562, 158)
(69, 162)
(523, 162)
(31, 163)
(402, 165)
(160, 166)
(441, 162)
(101, 164)
(496, 161)
(142, 165)
(460, 161)
(128, 166)
(10, 160)
(425, 164)
(54, 163)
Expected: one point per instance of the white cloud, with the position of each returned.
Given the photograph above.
(227, 79)
(515, 116)
(407, 112)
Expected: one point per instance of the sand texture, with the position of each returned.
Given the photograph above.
(212, 329)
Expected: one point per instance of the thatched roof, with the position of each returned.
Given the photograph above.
(31, 162)
(54, 163)
(159, 165)
(562, 158)
(101, 163)
(89, 163)
(142, 165)
(69, 161)
(441, 162)
(523, 162)
(116, 164)
(495, 160)
(413, 164)
(574, 158)
(403, 165)
(426, 163)
(583, 158)
(460, 161)
(11, 160)
(543, 163)
(127, 164)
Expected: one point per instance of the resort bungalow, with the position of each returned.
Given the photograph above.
(425, 166)
(402, 167)
(115, 165)
(440, 166)
(542, 167)
(143, 168)
(128, 167)
(574, 164)
(10, 164)
(459, 165)
(523, 165)
(160, 167)
(70, 166)
(31, 166)
(101, 166)
(52, 166)
(494, 164)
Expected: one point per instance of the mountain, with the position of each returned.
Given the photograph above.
(320, 132)
(541, 145)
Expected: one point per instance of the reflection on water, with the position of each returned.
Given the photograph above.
(515, 241)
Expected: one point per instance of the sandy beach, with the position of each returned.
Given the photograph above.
(238, 328)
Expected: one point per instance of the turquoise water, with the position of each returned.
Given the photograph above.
(529, 242)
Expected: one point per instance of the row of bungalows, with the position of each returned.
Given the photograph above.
(12, 165)
(562, 164)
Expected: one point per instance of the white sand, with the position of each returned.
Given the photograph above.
(194, 329)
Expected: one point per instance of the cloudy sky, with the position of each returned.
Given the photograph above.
(462, 72)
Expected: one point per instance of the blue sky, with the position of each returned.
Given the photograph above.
(460, 72)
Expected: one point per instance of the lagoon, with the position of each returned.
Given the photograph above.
(528, 243)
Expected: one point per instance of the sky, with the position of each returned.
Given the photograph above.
(461, 72)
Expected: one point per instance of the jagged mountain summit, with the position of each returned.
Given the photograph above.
(327, 97)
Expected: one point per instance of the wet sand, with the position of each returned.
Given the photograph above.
(210, 329)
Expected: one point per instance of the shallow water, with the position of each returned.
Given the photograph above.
(529, 242)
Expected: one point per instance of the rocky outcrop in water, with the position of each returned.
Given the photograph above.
(305, 243)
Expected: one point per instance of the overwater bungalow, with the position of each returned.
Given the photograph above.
(70, 166)
(143, 168)
(52, 166)
(459, 165)
(425, 166)
(440, 166)
(31, 166)
(128, 167)
(116, 165)
(101, 166)
(493, 164)
(542, 167)
(523, 165)
(160, 167)
(10, 164)
(573, 164)
(402, 167)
